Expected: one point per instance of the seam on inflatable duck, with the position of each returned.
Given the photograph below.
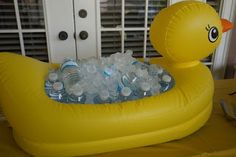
(44, 127)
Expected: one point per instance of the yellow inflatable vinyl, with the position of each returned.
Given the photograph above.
(44, 127)
(187, 32)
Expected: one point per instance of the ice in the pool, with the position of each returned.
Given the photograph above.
(117, 78)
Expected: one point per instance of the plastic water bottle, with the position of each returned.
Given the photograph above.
(140, 65)
(112, 81)
(116, 78)
(145, 90)
(77, 96)
(155, 71)
(52, 78)
(126, 94)
(88, 89)
(155, 87)
(58, 92)
(165, 82)
(113, 87)
(142, 74)
(70, 74)
(130, 80)
(94, 82)
(133, 79)
(102, 98)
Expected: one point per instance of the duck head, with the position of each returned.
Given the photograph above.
(187, 31)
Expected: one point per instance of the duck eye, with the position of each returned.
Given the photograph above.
(213, 34)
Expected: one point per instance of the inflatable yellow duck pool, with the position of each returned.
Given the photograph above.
(183, 33)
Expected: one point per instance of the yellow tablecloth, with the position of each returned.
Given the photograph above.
(216, 139)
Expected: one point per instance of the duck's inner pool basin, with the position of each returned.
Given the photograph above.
(117, 78)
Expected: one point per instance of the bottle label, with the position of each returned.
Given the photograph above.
(108, 72)
(67, 64)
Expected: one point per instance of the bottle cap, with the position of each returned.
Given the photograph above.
(53, 76)
(57, 86)
(159, 70)
(166, 78)
(78, 91)
(145, 86)
(126, 91)
(104, 94)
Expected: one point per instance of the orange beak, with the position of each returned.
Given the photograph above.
(226, 25)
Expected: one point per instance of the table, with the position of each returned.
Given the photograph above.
(216, 139)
